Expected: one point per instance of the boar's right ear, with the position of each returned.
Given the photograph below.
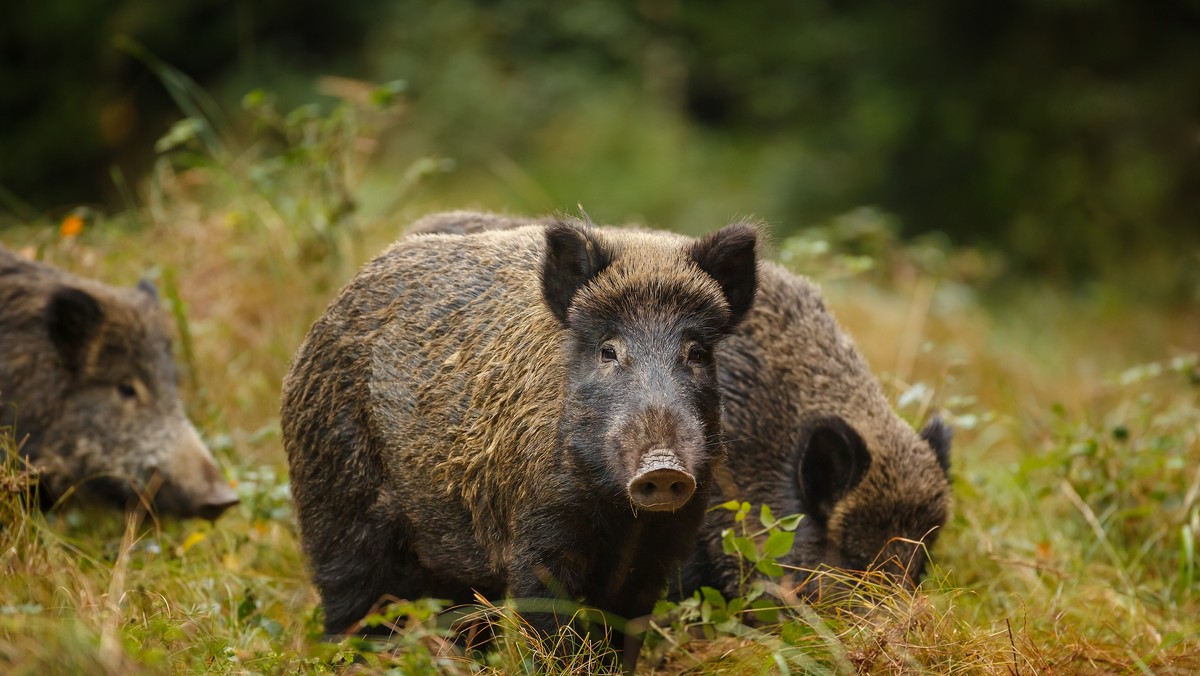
(729, 256)
(832, 462)
(574, 255)
(72, 319)
(939, 435)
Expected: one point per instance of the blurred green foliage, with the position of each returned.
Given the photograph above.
(1061, 133)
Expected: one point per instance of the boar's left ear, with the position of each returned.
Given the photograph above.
(939, 435)
(728, 256)
(73, 316)
(574, 255)
(832, 462)
(147, 287)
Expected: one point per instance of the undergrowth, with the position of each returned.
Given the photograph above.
(1076, 463)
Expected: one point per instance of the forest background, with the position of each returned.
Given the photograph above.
(1001, 201)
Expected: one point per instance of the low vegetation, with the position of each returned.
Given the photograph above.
(1076, 462)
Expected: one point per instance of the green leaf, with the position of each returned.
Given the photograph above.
(727, 542)
(766, 517)
(778, 543)
(736, 605)
(745, 547)
(790, 523)
(766, 611)
(743, 510)
(769, 567)
(712, 597)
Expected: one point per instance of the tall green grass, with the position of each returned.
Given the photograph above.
(1077, 495)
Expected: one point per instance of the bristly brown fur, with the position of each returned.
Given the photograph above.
(68, 347)
(788, 366)
(426, 415)
(787, 370)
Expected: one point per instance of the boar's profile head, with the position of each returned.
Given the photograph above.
(121, 433)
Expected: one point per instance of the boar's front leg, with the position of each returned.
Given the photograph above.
(548, 576)
(546, 586)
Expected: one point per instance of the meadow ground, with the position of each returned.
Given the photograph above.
(1076, 464)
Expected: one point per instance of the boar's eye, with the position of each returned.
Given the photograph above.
(608, 353)
(126, 390)
(697, 355)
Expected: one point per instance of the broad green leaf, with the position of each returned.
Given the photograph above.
(769, 567)
(778, 543)
(765, 516)
(712, 597)
(745, 547)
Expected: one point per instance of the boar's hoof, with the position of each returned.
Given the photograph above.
(661, 483)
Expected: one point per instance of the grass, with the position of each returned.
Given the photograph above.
(1077, 462)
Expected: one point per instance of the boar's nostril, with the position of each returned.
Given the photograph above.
(661, 485)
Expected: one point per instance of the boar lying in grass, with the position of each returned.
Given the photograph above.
(531, 412)
(808, 431)
(88, 389)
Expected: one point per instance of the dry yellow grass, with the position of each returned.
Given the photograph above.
(1076, 479)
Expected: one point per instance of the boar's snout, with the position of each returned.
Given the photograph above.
(216, 502)
(661, 483)
(193, 483)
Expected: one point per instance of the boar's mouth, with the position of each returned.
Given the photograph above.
(209, 502)
(661, 484)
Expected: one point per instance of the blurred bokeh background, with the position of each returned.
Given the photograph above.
(1061, 138)
(1001, 202)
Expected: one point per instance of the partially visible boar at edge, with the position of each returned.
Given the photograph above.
(88, 389)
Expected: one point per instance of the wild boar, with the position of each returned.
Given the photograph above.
(88, 388)
(809, 431)
(531, 412)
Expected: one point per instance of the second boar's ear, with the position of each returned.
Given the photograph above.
(72, 319)
(833, 460)
(729, 256)
(939, 435)
(574, 255)
(147, 287)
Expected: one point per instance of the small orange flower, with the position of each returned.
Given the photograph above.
(1044, 550)
(71, 226)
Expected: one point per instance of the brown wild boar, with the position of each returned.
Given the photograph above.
(808, 431)
(88, 387)
(531, 412)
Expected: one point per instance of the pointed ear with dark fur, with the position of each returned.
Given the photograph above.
(729, 256)
(147, 287)
(832, 462)
(939, 435)
(72, 319)
(575, 254)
